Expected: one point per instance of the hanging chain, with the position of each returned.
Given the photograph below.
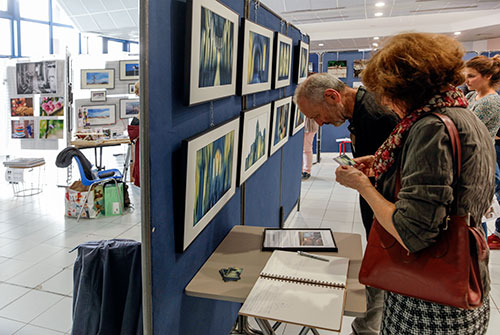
(212, 123)
(255, 8)
(282, 23)
(255, 100)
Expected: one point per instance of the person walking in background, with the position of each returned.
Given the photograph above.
(327, 100)
(417, 74)
(482, 76)
(310, 130)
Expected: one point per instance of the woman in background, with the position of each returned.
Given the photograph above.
(133, 133)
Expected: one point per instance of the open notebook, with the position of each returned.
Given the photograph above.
(301, 290)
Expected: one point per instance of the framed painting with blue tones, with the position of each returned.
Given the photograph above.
(298, 120)
(303, 61)
(103, 78)
(257, 58)
(280, 123)
(210, 176)
(129, 108)
(282, 61)
(100, 114)
(210, 68)
(129, 69)
(254, 140)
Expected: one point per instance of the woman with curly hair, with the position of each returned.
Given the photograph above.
(417, 74)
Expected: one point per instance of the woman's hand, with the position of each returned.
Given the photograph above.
(352, 177)
(365, 165)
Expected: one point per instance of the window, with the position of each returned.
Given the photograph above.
(3, 5)
(115, 47)
(65, 37)
(34, 39)
(91, 45)
(59, 15)
(5, 38)
(34, 9)
(134, 48)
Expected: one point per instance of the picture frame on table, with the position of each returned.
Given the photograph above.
(100, 78)
(129, 108)
(212, 49)
(100, 114)
(257, 58)
(280, 123)
(129, 69)
(98, 96)
(211, 168)
(303, 61)
(131, 88)
(298, 120)
(282, 61)
(255, 127)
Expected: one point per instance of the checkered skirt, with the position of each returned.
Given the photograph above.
(405, 315)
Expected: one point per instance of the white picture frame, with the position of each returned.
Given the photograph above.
(303, 61)
(131, 88)
(129, 108)
(298, 120)
(282, 61)
(280, 123)
(129, 69)
(98, 96)
(258, 45)
(255, 128)
(99, 78)
(210, 70)
(196, 215)
(100, 114)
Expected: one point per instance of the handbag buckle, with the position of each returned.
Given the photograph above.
(446, 222)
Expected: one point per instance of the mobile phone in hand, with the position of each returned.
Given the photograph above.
(344, 160)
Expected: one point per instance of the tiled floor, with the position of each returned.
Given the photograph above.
(36, 268)
(326, 204)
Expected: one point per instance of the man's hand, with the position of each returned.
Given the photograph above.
(352, 177)
(365, 165)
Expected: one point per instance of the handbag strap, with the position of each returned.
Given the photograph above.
(456, 149)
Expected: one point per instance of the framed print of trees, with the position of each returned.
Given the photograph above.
(283, 61)
(303, 61)
(212, 46)
(280, 123)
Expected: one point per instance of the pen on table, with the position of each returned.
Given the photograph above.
(319, 258)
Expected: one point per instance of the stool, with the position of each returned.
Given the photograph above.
(25, 175)
(342, 142)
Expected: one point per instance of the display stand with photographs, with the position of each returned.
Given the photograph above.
(311, 239)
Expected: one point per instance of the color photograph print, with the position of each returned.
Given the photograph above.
(51, 129)
(210, 176)
(213, 29)
(100, 114)
(129, 69)
(104, 78)
(36, 78)
(129, 108)
(337, 68)
(298, 120)
(283, 61)
(358, 66)
(257, 58)
(280, 123)
(52, 106)
(22, 128)
(21, 107)
(303, 61)
(254, 143)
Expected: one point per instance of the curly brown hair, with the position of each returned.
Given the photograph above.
(413, 67)
(487, 66)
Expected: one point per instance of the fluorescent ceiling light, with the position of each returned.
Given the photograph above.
(380, 4)
(456, 33)
(375, 44)
(321, 44)
(379, 14)
(376, 38)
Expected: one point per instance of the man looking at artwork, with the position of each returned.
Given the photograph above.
(327, 100)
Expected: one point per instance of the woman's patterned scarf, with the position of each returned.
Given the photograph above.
(385, 155)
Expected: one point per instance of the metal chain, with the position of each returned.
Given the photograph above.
(212, 123)
(282, 24)
(255, 100)
(256, 7)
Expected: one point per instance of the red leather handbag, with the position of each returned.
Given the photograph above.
(446, 272)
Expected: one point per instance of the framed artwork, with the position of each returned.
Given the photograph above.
(129, 108)
(303, 61)
(52, 106)
(212, 49)
(100, 114)
(51, 129)
(337, 68)
(36, 78)
(24, 128)
(257, 58)
(282, 60)
(129, 69)
(131, 88)
(98, 96)
(298, 121)
(254, 140)
(358, 66)
(104, 78)
(21, 107)
(210, 176)
(280, 123)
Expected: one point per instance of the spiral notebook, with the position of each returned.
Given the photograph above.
(300, 290)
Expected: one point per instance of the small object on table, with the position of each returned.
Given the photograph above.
(231, 274)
